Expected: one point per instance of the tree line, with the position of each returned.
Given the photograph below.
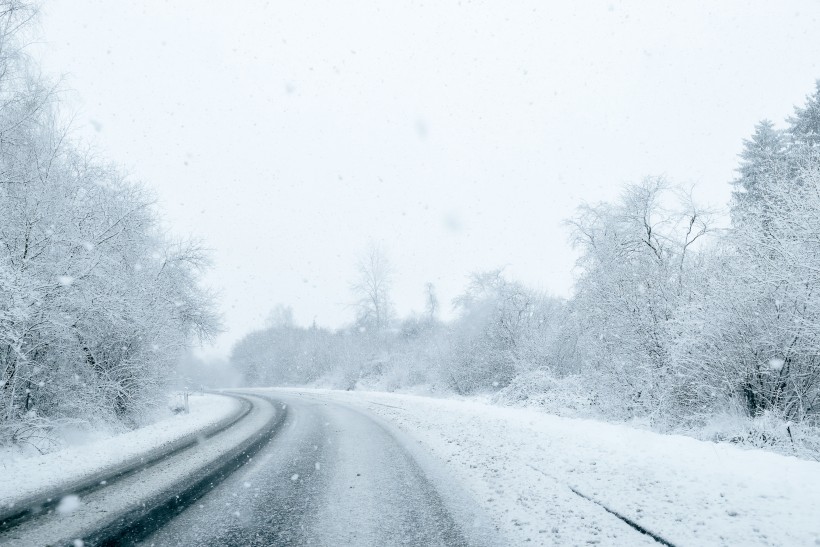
(675, 319)
(96, 302)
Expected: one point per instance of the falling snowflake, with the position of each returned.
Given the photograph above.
(776, 364)
(68, 504)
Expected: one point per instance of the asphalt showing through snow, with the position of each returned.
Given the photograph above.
(330, 476)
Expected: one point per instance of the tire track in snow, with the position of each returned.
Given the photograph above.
(631, 523)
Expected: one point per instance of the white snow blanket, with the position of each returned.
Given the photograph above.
(523, 465)
(22, 478)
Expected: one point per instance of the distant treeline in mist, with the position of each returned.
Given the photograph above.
(680, 317)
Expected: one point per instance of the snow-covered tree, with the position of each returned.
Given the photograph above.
(500, 332)
(763, 154)
(804, 125)
(758, 325)
(95, 302)
(636, 267)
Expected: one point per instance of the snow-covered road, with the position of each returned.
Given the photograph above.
(332, 476)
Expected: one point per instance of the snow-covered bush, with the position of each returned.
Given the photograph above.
(566, 396)
(504, 330)
(769, 430)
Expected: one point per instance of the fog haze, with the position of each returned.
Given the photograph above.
(458, 135)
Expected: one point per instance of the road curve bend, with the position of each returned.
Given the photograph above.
(331, 475)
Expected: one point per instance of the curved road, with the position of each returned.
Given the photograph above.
(330, 476)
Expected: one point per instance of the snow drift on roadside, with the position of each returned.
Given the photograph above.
(22, 478)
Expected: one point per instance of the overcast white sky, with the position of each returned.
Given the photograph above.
(457, 134)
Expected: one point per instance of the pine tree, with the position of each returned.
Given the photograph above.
(804, 126)
(763, 155)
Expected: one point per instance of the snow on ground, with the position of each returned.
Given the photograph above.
(22, 478)
(522, 466)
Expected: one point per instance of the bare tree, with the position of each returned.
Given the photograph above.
(374, 308)
(280, 316)
(431, 303)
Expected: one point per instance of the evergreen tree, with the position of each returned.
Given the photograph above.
(764, 154)
(804, 126)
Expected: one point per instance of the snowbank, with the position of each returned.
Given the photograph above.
(531, 471)
(24, 478)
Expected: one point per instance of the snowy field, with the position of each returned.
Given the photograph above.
(23, 478)
(532, 472)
